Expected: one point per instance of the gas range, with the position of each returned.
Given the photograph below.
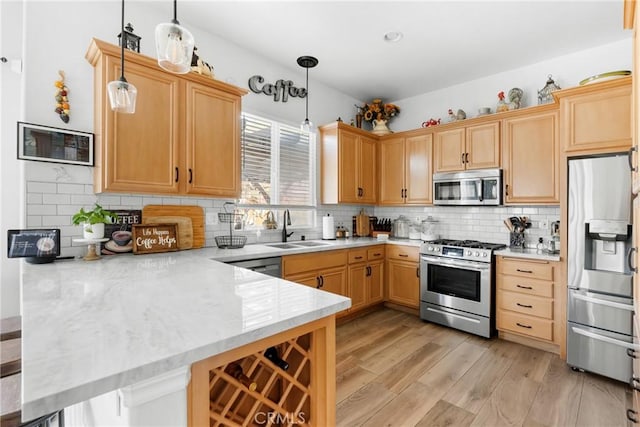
(470, 250)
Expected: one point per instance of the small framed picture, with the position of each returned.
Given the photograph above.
(49, 144)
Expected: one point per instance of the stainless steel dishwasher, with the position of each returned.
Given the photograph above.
(269, 266)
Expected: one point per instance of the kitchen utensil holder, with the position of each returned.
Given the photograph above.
(230, 241)
(516, 239)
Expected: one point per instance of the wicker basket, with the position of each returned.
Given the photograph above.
(231, 242)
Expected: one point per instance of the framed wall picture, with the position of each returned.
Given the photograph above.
(49, 144)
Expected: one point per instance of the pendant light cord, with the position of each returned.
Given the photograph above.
(175, 12)
(122, 42)
(307, 98)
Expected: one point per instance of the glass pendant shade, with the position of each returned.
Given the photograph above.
(174, 46)
(306, 125)
(307, 62)
(122, 96)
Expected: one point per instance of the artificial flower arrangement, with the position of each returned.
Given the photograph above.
(379, 111)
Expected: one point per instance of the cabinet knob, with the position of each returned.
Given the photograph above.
(631, 416)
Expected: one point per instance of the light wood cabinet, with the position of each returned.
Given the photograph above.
(366, 277)
(406, 170)
(348, 165)
(471, 147)
(596, 118)
(321, 270)
(403, 275)
(527, 302)
(530, 157)
(184, 137)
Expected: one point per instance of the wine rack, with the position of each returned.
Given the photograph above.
(280, 398)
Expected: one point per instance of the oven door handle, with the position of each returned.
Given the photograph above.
(447, 262)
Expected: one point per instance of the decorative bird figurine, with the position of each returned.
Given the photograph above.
(452, 116)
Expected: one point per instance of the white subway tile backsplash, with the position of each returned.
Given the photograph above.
(55, 220)
(70, 188)
(34, 198)
(34, 221)
(41, 210)
(86, 201)
(56, 199)
(131, 200)
(109, 200)
(41, 187)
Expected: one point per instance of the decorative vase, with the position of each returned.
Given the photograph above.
(93, 231)
(380, 127)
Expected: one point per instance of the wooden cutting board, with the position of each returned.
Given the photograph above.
(185, 228)
(362, 224)
(196, 213)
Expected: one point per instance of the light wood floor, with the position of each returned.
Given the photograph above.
(395, 370)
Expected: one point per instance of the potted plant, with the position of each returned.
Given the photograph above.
(93, 221)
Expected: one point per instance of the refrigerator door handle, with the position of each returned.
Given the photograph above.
(602, 302)
(603, 338)
(632, 268)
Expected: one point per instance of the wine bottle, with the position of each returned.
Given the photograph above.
(272, 354)
(235, 370)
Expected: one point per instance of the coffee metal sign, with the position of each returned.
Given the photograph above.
(284, 88)
(151, 238)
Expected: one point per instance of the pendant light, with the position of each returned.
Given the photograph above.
(307, 62)
(122, 94)
(174, 45)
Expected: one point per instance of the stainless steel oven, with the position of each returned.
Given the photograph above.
(456, 285)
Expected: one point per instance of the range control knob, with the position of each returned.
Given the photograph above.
(477, 253)
(437, 249)
(430, 248)
(484, 254)
(468, 252)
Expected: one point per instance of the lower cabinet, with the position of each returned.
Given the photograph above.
(403, 275)
(366, 277)
(322, 270)
(526, 297)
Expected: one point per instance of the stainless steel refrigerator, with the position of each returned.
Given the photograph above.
(600, 291)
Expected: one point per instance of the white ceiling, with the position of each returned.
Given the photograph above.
(444, 43)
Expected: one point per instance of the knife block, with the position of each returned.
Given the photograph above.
(516, 240)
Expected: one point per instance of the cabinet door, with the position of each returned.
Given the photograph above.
(598, 120)
(530, 159)
(483, 146)
(404, 283)
(392, 171)
(140, 152)
(357, 286)
(449, 150)
(348, 174)
(334, 280)
(212, 142)
(376, 283)
(419, 170)
(367, 166)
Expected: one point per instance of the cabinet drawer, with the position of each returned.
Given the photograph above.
(528, 286)
(376, 252)
(357, 255)
(541, 270)
(527, 304)
(525, 325)
(404, 253)
(294, 264)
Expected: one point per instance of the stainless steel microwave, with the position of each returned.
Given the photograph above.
(473, 187)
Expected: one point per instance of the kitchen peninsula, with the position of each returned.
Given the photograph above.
(133, 329)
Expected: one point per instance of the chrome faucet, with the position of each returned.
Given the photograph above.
(285, 222)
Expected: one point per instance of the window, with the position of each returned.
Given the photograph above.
(278, 172)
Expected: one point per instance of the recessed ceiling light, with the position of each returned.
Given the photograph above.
(393, 36)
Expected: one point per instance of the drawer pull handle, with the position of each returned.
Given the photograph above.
(631, 353)
(377, 254)
(524, 305)
(177, 174)
(631, 416)
(633, 383)
(523, 326)
(403, 255)
(358, 257)
(524, 287)
(630, 159)
(418, 272)
(524, 271)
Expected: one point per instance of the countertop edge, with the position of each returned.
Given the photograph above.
(527, 253)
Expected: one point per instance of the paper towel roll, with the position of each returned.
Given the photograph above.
(328, 228)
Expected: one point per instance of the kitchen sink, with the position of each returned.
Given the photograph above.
(309, 244)
(283, 246)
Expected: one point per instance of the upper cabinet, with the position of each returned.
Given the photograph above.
(470, 147)
(406, 170)
(596, 118)
(348, 165)
(530, 157)
(184, 137)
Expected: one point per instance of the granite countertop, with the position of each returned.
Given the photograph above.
(527, 253)
(92, 327)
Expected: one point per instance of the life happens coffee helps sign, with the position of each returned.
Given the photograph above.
(281, 88)
(152, 238)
